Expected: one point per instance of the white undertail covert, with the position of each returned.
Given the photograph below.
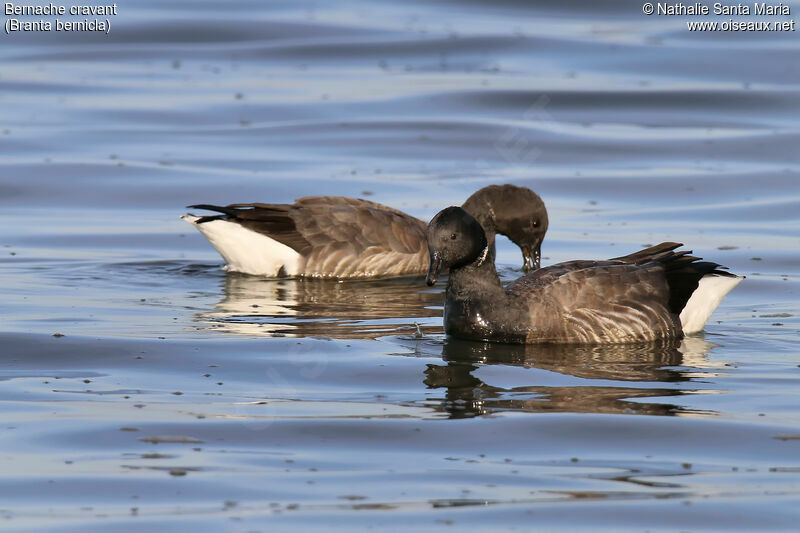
(705, 299)
(245, 250)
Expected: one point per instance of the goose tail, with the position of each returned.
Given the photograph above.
(245, 250)
(711, 289)
(696, 287)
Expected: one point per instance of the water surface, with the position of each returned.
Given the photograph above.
(143, 387)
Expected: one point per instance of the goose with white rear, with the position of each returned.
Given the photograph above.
(340, 237)
(655, 293)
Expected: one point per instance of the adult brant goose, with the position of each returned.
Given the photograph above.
(339, 237)
(651, 294)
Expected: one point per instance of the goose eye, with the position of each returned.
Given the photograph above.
(535, 223)
(453, 237)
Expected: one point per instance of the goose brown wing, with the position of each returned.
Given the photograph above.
(359, 238)
(338, 236)
(599, 302)
(683, 271)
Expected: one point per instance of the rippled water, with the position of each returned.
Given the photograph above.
(142, 387)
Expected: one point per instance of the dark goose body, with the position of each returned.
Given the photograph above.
(340, 237)
(652, 294)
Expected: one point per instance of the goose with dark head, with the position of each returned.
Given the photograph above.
(341, 237)
(655, 293)
(455, 239)
(516, 212)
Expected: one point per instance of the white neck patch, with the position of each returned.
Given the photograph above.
(483, 255)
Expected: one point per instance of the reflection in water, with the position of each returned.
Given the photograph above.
(339, 309)
(610, 378)
(467, 395)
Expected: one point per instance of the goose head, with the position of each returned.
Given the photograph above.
(455, 239)
(516, 212)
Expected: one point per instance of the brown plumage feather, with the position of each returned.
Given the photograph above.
(598, 302)
(338, 236)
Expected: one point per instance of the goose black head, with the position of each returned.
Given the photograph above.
(455, 239)
(516, 212)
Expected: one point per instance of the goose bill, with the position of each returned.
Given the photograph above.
(531, 257)
(434, 269)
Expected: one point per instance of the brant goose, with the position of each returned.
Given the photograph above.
(656, 293)
(339, 237)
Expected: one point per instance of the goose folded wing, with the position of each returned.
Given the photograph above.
(350, 237)
(603, 301)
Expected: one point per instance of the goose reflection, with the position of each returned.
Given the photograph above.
(617, 379)
(338, 309)
(622, 377)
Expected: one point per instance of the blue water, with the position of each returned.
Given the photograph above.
(144, 388)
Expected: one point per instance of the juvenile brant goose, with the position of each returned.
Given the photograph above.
(339, 237)
(652, 294)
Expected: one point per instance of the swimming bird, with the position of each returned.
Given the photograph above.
(340, 237)
(656, 293)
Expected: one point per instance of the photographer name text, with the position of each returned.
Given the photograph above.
(697, 9)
